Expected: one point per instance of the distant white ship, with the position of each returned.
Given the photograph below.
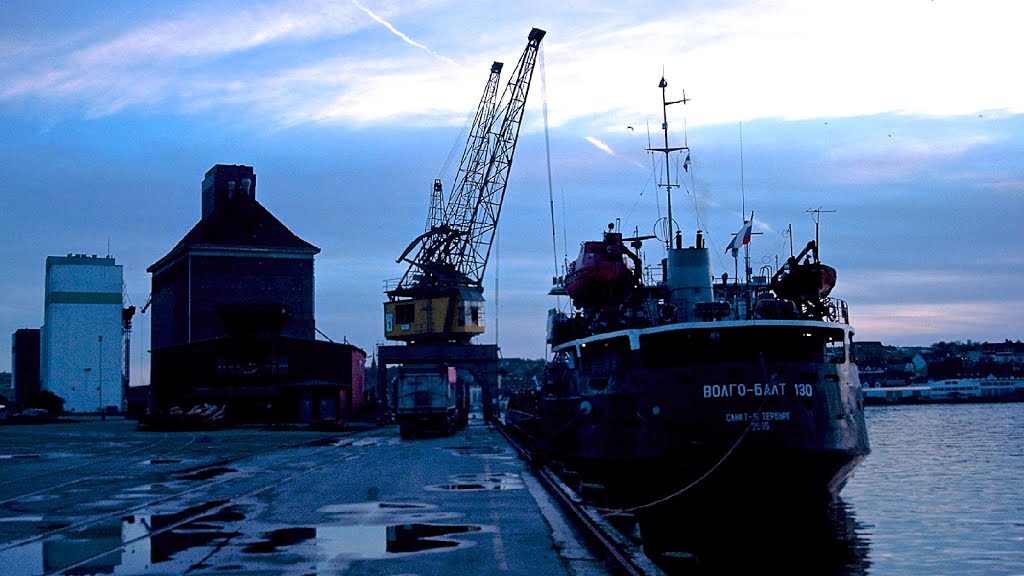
(988, 389)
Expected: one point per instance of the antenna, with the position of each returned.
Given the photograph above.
(817, 221)
(666, 150)
(743, 193)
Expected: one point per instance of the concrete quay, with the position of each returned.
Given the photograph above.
(102, 497)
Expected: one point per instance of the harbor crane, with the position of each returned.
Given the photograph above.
(437, 307)
(440, 297)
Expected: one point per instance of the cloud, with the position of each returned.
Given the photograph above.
(924, 323)
(153, 62)
(887, 159)
(786, 59)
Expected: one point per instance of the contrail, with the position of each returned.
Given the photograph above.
(608, 150)
(600, 145)
(396, 32)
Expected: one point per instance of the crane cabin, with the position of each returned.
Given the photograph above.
(455, 316)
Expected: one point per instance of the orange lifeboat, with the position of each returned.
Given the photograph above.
(600, 275)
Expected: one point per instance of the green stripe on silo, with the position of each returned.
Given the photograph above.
(84, 298)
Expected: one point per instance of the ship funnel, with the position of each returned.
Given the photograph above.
(688, 280)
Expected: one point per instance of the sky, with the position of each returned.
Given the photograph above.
(903, 122)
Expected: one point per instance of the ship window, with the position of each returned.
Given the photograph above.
(603, 356)
(405, 313)
(835, 351)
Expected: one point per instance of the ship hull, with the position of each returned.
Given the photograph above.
(695, 429)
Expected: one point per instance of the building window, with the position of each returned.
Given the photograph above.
(405, 313)
(469, 314)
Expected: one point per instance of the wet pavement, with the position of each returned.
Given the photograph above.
(104, 498)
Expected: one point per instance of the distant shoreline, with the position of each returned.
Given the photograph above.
(874, 402)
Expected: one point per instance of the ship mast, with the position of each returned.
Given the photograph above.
(817, 221)
(668, 185)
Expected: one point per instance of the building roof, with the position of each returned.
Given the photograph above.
(244, 222)
(240, 222)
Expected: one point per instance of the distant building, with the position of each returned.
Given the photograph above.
(232, 317)
(81, 350)
(25, 363)
(6, 386)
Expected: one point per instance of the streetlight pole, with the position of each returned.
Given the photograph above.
(100, 387)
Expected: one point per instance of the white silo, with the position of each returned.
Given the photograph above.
(81, 347)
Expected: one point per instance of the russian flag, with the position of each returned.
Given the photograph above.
(740, 239)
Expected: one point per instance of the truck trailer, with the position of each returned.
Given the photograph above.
(430, 398)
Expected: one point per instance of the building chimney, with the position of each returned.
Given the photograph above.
(226, 183)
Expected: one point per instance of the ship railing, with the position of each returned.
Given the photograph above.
(391, 284)
(652, 275)
(837, 310)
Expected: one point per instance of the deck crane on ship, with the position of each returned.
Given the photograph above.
(437, 307)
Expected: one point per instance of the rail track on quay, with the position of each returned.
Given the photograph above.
(626, 556)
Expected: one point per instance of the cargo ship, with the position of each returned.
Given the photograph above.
(669, 389)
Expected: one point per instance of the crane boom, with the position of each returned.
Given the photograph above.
(456, 248)
(483, 193)
(434, 261)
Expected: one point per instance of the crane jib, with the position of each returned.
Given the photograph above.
(470, 213)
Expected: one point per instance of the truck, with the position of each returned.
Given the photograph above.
(430, 398)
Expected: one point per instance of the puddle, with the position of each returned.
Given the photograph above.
(147, 488)
(375, 441)
(385, 513)
(496, 452)
(366, 542)
(326, 442)
(504, 481)
(226, 514)
(281, 538)
(420, 537)
(345, 442)
(206, 473)
(189, 539)
(164, 546)
(38, 498)
(98, 505)
(136, 543)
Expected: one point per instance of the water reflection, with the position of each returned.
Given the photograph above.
(197, 536)
(364, 542)
(825, 541)
(497, 481)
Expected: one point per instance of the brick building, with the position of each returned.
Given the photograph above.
(233, 319)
